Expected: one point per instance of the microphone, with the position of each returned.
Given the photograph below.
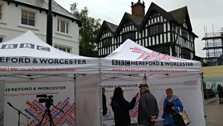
(9, 104)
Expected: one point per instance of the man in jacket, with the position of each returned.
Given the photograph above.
(148, 109)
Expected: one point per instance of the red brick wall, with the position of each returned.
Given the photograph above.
(138, 9)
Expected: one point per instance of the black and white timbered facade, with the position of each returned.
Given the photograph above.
(166, 32)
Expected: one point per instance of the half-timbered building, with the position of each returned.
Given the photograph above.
(166, 32)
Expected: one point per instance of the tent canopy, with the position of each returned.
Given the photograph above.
(133, 58)
(27, 53)
(131, 64)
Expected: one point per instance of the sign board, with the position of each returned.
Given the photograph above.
(23, 96)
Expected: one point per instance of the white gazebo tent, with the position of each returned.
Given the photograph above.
(30, 67)
(131, 64)
(27, 60)
(27, 53)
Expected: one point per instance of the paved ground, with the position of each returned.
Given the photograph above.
(214, 112)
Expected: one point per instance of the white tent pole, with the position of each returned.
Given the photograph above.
(202, 90)
(75, 99)
(100, 94)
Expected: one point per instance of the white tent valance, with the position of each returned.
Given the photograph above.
(133, 58)
(27, 53)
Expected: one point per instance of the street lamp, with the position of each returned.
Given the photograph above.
(49, 33)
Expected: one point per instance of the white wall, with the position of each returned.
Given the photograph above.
(87, 99)
(10, 26)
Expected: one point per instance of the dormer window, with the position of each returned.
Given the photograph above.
(28, 18)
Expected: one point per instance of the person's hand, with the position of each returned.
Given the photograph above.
(173, 108)
(136, 95)
(153, 118)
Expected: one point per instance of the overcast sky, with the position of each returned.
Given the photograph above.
(203, 13)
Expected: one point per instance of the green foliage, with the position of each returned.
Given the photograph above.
(88, 31)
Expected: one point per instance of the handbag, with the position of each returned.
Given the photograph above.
(185, 117)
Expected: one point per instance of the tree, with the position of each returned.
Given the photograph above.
(88, 31)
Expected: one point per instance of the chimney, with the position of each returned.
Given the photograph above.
(138, 9)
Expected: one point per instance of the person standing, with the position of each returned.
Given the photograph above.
(220, 93)
(104, 104)
(148, 109)
(121, 108)
(171, 108)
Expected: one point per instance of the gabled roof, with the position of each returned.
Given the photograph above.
(112, 27)
(154, 7)
(43, 5)
(179, 14)
(136, 20)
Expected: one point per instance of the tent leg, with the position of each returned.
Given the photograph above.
(202, 90)
(75, 99)
(99, 89)
(100, 101)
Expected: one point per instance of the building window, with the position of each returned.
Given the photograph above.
(218, 52)
(128, 35)
(107, 42)
(185, 53)
(185, 34)
(62, 26)
(209, 43)
(28, 18)
(210, 53)
(156, 29)
(217, 42)
(0, 12)
(65, 49)
(1, 39)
